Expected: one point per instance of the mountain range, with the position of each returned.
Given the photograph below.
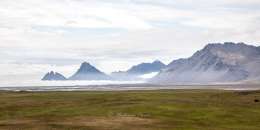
(215, 63)
(85, 72)
(89, 72)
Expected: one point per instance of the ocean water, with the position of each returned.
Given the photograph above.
(38, 85)
(34, 84)
(107, 85)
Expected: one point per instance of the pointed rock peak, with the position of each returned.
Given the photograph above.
(51, 73)
(87, 68)
(85, 64)
(53, 76)
(89, 72)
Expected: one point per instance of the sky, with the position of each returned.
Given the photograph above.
(37, 36)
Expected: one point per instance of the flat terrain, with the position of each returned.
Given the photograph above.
(131, 110)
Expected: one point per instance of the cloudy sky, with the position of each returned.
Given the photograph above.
(37, 36)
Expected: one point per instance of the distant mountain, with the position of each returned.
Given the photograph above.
(89, 72)
(145, 68)
(53, 76)
(215, 63)
(134, 72)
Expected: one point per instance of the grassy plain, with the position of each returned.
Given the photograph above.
(131, 110)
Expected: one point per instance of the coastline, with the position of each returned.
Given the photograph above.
(126, 87)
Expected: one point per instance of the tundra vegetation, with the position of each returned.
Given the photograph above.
(131, 110)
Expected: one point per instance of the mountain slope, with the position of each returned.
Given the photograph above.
(134, 72)
(89, 72)
(215, 63)
(53, 76)
(145, 68)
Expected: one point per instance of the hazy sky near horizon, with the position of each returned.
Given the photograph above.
(37, 36)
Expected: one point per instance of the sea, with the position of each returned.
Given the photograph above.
(108, 85)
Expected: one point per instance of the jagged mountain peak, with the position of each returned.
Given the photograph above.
(85, 64)
(53, 76)
(232, 47)
(228, 52)
(215, 63)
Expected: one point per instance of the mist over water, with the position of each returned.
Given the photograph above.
(35, 83)
(108, 85)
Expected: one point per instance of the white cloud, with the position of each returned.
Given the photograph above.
(68, 14)
(115, 34)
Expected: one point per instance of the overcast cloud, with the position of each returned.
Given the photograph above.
(37, 36)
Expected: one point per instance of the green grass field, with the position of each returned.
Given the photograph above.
(131, 110)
